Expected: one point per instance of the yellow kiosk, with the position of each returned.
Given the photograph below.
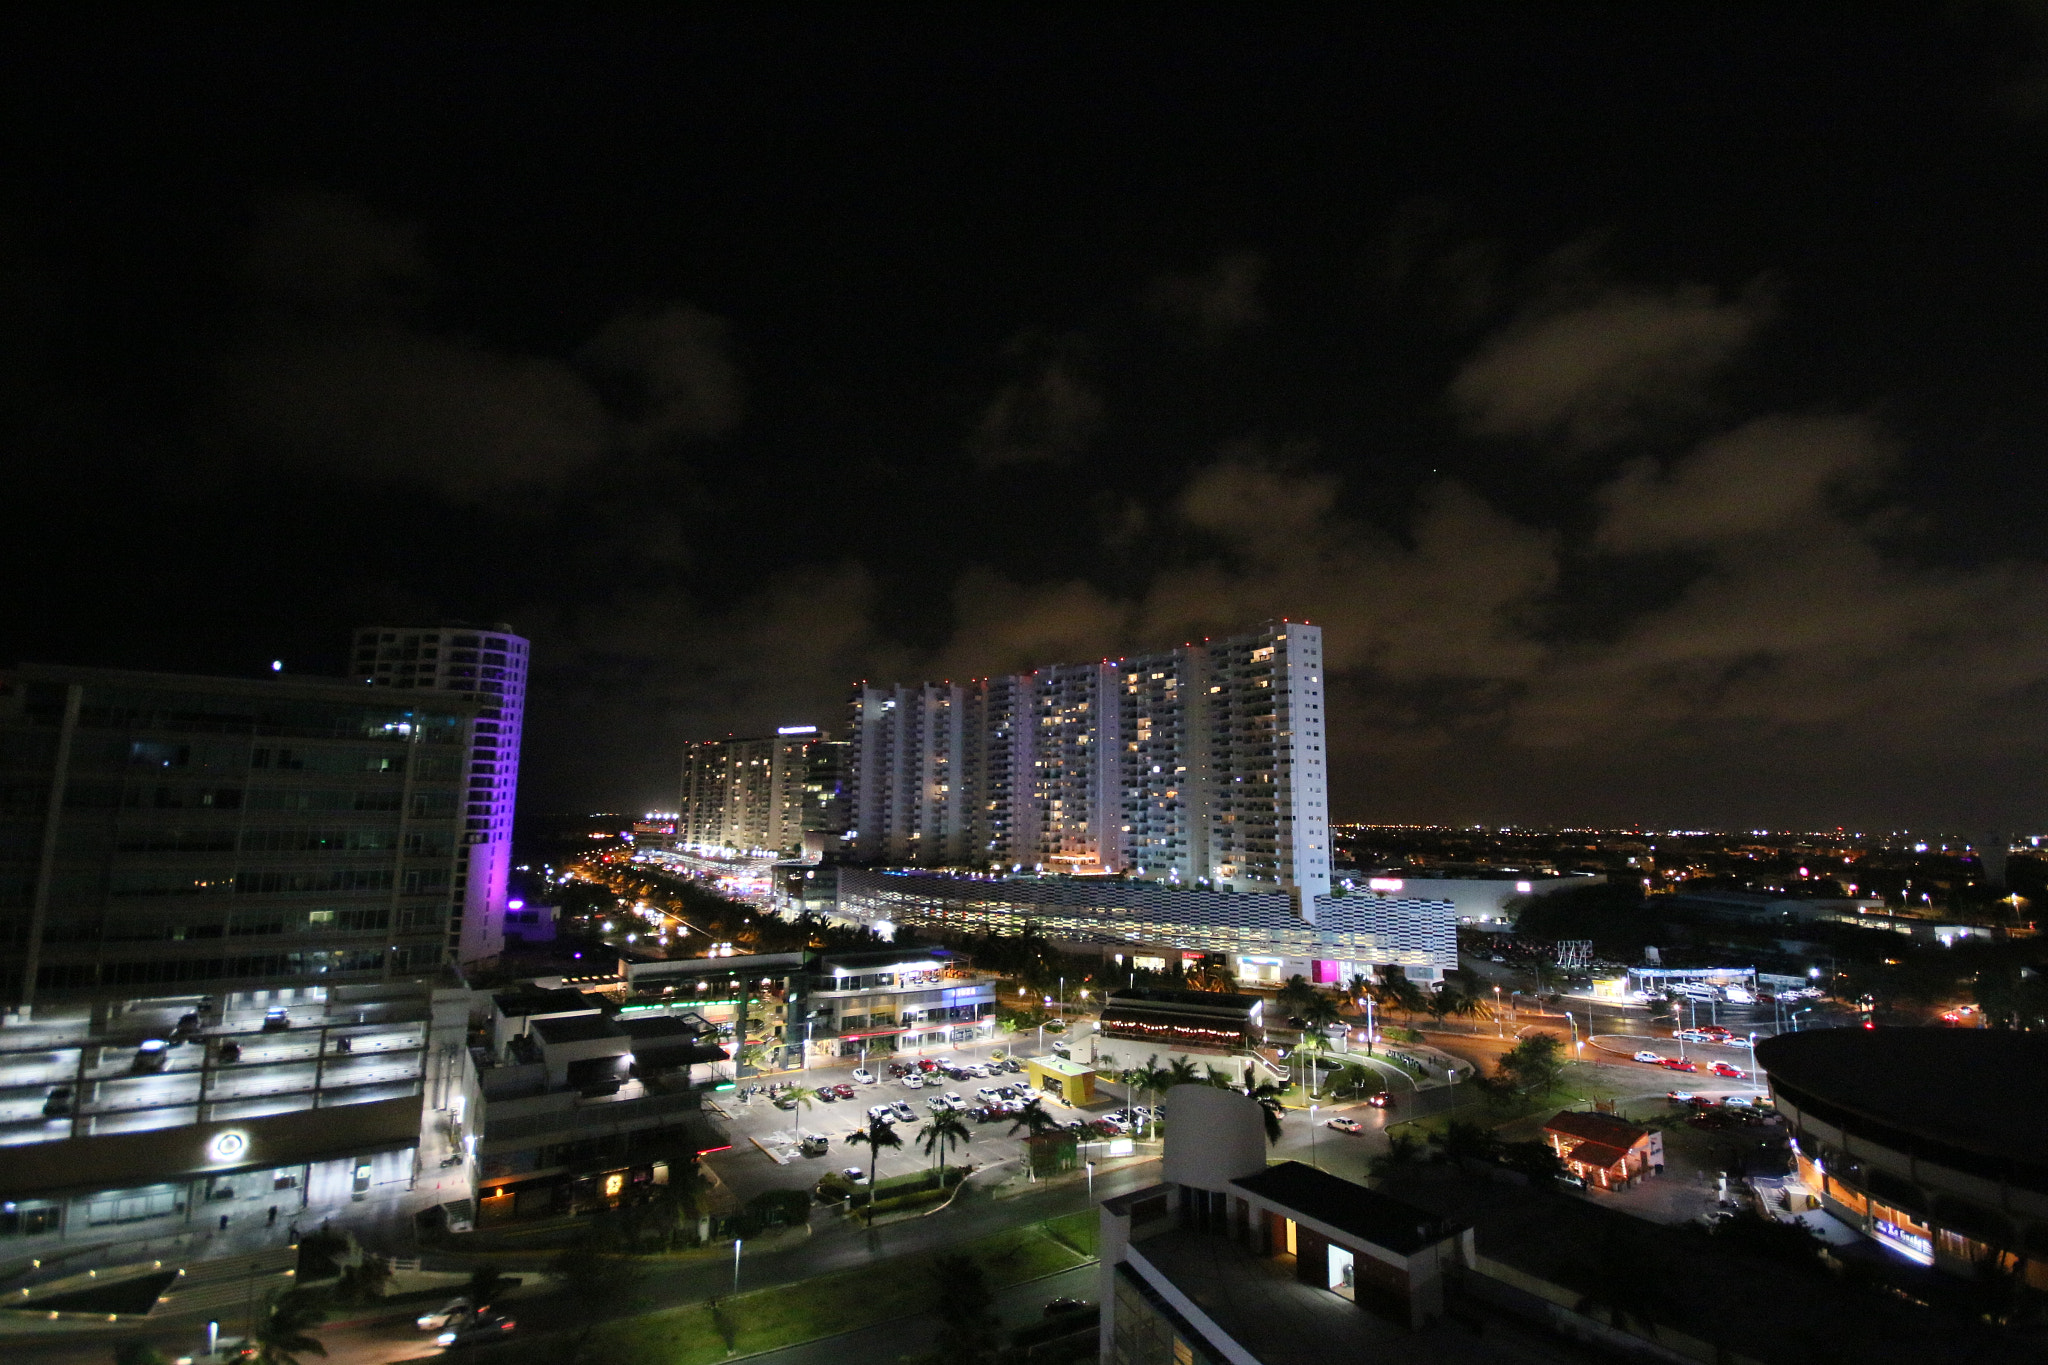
(1070, 1081)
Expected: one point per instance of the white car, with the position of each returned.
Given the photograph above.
(913, 1082)
(952, 1100)
(863, 1076)
(1653, 1058)
(443, 1317)
(883, 1112)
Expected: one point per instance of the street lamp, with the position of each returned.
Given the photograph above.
(1312, 1136)
(1500, 1028)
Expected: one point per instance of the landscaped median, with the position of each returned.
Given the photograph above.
(787, 1314)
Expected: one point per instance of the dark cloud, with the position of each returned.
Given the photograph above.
(1594, 372)
(1216, 303)
(1048, 412)
(339, 369)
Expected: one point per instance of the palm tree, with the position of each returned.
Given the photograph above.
(1151, 1078)
(1034, 1117)
(1297, 993)
(1183, 1072)
(1403, 1150)
(1267, 1096)
(801, 1099)
(878, 1134)
(284, 1332)
(1221, 1080)
(1321, 1012)
(1358, 988)
(941, 1133)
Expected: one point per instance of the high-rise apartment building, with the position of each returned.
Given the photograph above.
(761, 796)
(229, 904)
(486, 665)
(1203, 764)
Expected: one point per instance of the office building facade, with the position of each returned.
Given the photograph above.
(488, 666)
(1199, 765)
(231, 903)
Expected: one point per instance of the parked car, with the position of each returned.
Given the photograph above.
(476, 1330)
(1680, 1096)
(904, 1113)
(1344, 1125)
(886, 1113)
(1653, 1058)
(813, 1144)
(843, 1091)
(863, 1076)
(276, 1020)
(989, 1092)
(913, 1082)
(59, 1103)
(953, 1100)
(153, 1054)
(230, 1050)
(855, 1175)
(1062, 1049)
(1676, 1065)
(1733, 1073)
(445, 1316)
(827, 1093)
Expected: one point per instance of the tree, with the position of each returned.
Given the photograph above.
(801, 1098)
(1628, 1280)
(486, 1282)
(1297, 993)
(1267, 1096)
(1033, 1117)
(1321, 1013)
(1404, 1150)
(284, 1332)
(596, 1287)
(1396, 992)
(1150, 1078)
(1461, 1142)
(1535, 1065)
(941, 1133)
(1536, 1159)
(1183, 1072)
(965, 1308)
(1222, 1080)
(878, 1134)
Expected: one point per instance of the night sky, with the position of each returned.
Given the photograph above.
(1650, 407)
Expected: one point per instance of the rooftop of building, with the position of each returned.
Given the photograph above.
(883, 957)
(1766, 1309)
(1380, 1219)
(275, 686)
(582, 1028)
(655, 1028)
(1260, 1305)
(523, 1002)
(1985, 1090)
(1589, 1126)
(1161, 997)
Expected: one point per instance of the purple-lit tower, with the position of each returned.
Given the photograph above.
(486, 664)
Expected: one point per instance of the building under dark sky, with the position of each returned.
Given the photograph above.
(1648, 406)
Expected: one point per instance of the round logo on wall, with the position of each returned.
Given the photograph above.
(227, 1146)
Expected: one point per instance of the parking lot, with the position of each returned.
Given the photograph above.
(765, 1153)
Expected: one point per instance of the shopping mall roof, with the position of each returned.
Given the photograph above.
(1985, 1090)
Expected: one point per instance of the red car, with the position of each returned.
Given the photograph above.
(843, 1091)
(1677, 1065)
(1733, 1073)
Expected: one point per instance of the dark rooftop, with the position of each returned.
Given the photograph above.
(531, 1000)
(1985, 1090)
(1142, 996)
(1380, 1219)
(662, 1028)
(578, 1029)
